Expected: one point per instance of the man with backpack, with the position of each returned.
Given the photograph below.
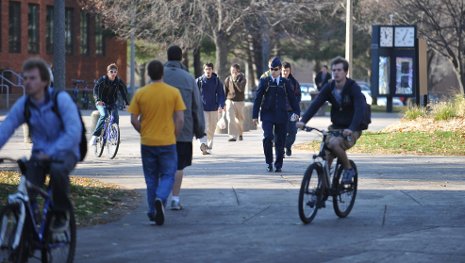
(56, 132)
(348, 108)
(213, 101)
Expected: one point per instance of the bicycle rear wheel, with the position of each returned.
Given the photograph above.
(113, 140)
(9, 226)
(344, 197)
(59, 247)
(310, 193)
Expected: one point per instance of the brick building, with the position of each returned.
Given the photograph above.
(26, 28)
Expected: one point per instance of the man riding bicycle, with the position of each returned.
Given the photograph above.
(347, 104)
(55, 135)
(106, 96)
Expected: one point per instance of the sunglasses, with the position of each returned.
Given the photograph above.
(113, 71)
(274, 69)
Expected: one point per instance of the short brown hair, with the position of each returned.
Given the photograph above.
(39, 64)
(112, 66)
(208, 65)
(236, 66)
(340, 60)
(155, 70)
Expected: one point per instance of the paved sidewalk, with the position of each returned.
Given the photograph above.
(408, 209)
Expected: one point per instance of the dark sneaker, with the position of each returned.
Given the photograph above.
(160, 212)
(60, 226)
(232, 140)
(348, 175)
(278, 170)
(269, 168)
(288, 151)
(241, 138)
(176, 205)
(204, 149)
(151, 216)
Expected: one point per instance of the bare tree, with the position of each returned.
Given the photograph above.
(442, 24)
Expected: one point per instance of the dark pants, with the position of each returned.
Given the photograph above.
(59, 178)
(277, 132)
(291, 131)
(103, 111)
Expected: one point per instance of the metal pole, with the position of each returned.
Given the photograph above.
(59, 52)
(349, 34)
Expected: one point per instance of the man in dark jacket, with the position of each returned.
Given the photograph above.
(213, 99)
(347, 104)
(234, 86)
(291, 128)
(322, 78)
(106, 95)
(273, 94)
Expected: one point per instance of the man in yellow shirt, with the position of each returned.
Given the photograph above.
(157, 113)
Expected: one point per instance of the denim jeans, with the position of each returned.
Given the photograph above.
(103, 111)
(159, 165)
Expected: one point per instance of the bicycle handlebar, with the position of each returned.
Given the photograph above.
(335, 133)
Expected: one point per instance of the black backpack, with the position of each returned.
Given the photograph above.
(366, 120)
(82, 144)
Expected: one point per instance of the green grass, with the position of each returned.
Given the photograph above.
(94, 202)
(418, 143)
(413, 113)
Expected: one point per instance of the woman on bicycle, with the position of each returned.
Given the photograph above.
(347, 102)
(106, 96)
(54, 137)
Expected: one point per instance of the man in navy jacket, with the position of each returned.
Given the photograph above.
(347, 104)
(273, 93)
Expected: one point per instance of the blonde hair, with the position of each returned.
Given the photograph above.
(112, 66)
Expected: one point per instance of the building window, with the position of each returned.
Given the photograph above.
(84, 45)
(33, 29)
(14, 27)
(98, 36)
(69, 30)
(49, 30)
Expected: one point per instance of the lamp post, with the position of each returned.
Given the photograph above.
(349, 34)
(59, 52)
(133, 54)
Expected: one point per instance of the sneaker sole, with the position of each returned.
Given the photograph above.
(160, 214)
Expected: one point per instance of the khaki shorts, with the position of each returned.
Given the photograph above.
(342, 141)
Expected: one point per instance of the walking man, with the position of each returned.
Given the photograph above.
(157, 113)
(322, 78)
(176, 75)
(295, 87)
(212, 95)
(106, 96)
(234, 86)
(271, 102)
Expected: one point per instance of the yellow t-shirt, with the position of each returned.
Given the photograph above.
(156, 104)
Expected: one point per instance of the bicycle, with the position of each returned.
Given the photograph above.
(23, 231)
(110, 137)
(314, 193)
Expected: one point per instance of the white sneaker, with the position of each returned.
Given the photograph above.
(93, 140)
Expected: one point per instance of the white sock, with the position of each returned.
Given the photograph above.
(175, 198)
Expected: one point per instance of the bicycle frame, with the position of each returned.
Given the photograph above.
(107, 124)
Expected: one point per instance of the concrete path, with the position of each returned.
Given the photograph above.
(408, 208)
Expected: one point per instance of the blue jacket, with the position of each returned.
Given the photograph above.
(271, 100)
(211, 92)
(345, 115)
(49, 135)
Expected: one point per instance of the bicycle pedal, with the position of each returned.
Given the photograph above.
(321, 204)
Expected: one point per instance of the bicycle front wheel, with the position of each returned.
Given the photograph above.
(344, 196)
(59, 246)
(310, 193)
(113, 141)
(9, 227)
(98, 148)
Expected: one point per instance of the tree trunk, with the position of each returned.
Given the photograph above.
(185, 58)
(197, 63)
(257, 56)
(222, 50)
(142, 68)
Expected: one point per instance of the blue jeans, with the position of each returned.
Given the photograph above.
(103, 111)
(291, 131)
(159, 164)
